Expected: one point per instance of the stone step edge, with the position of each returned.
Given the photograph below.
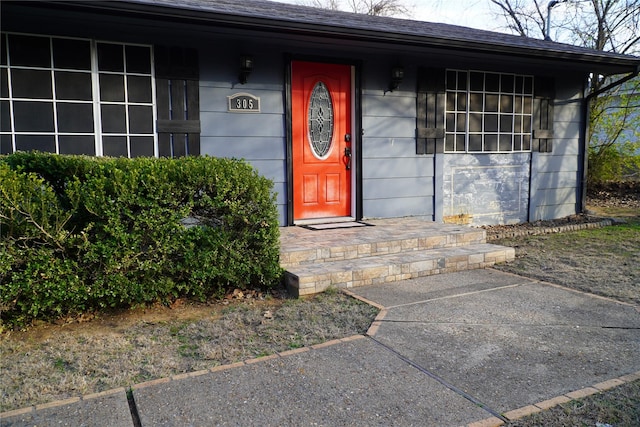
(313, 278)
(293, 258)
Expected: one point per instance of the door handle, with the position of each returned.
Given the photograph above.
(347, 158)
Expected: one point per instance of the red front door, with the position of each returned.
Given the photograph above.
(321, 130)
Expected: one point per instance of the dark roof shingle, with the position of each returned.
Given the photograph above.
(347, 25)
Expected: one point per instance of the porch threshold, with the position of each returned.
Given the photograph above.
(329, 220)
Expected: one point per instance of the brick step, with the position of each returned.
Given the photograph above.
(372, 241)
(316, 277)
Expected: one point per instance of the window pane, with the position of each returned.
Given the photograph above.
(492, 82)
(491, 123)
(505, 143)
(115, 146)
(113, 118)
(506, 123)
(451, 101)
(142, 146)
(451, 122)
(462, 80)
(517, 142)
(5, 144)
(71, 54)
(491, 142)
(475, 102)
(112, 87)
(527, 105)
(526, 124)
(517, 124)
(461, 125)
(519, 84)
(33, 116)
(3, 49)
(110, 57)
(77, 144)
(450, 143)
(506, 103)
(518, 104)
(491, 103)
(138, 59)
(139, 89)
(5, 116)
(140, 119)
(29, 51)
(475, 122)
(526, 142)
(462, 102)
(506, 84)
(475, 142)
(76, 118)
(36, 142)
(476, 81)
(528, 86)
(4, 83)
(75, 86)
(451, 80)
(32, 84)
(460, 143)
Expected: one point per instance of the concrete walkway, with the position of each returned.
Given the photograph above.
(473, 347)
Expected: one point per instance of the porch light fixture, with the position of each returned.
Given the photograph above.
(397, 75)
(246, 67)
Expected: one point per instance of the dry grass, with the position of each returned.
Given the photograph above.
(619, 407)
(52, 362)
(602, 261)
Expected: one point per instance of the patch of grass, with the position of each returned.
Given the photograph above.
(53, 362)
(601, 261)
(619, 407)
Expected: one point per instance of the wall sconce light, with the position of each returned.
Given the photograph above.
(397, 75)
(246, 67)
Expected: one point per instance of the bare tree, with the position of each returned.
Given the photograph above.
(522, 17)
(605, 25)
(367, 7)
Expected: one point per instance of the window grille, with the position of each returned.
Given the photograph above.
(76, 96)
(488, 112)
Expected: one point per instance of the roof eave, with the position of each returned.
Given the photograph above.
(593, 63)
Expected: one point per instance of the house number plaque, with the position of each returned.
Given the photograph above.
(244, 103)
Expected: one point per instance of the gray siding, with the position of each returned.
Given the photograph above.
(555, 176)
(258, 138)
(489, 188)
(396, 181)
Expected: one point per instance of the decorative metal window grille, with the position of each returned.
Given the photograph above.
(76, 96)
(488, 112)
(321, 120)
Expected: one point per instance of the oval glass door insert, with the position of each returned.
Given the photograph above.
(320, 116)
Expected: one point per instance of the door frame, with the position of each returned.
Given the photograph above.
(356, 120)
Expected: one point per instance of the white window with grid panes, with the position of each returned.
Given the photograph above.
(488, 112)
(76, 96)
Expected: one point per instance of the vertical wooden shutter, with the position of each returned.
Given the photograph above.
(177, 94)
(431, 105)
(544, 95)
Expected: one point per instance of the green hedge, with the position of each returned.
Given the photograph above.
(84, 233)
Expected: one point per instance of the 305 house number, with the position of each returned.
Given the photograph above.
(244, 103)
